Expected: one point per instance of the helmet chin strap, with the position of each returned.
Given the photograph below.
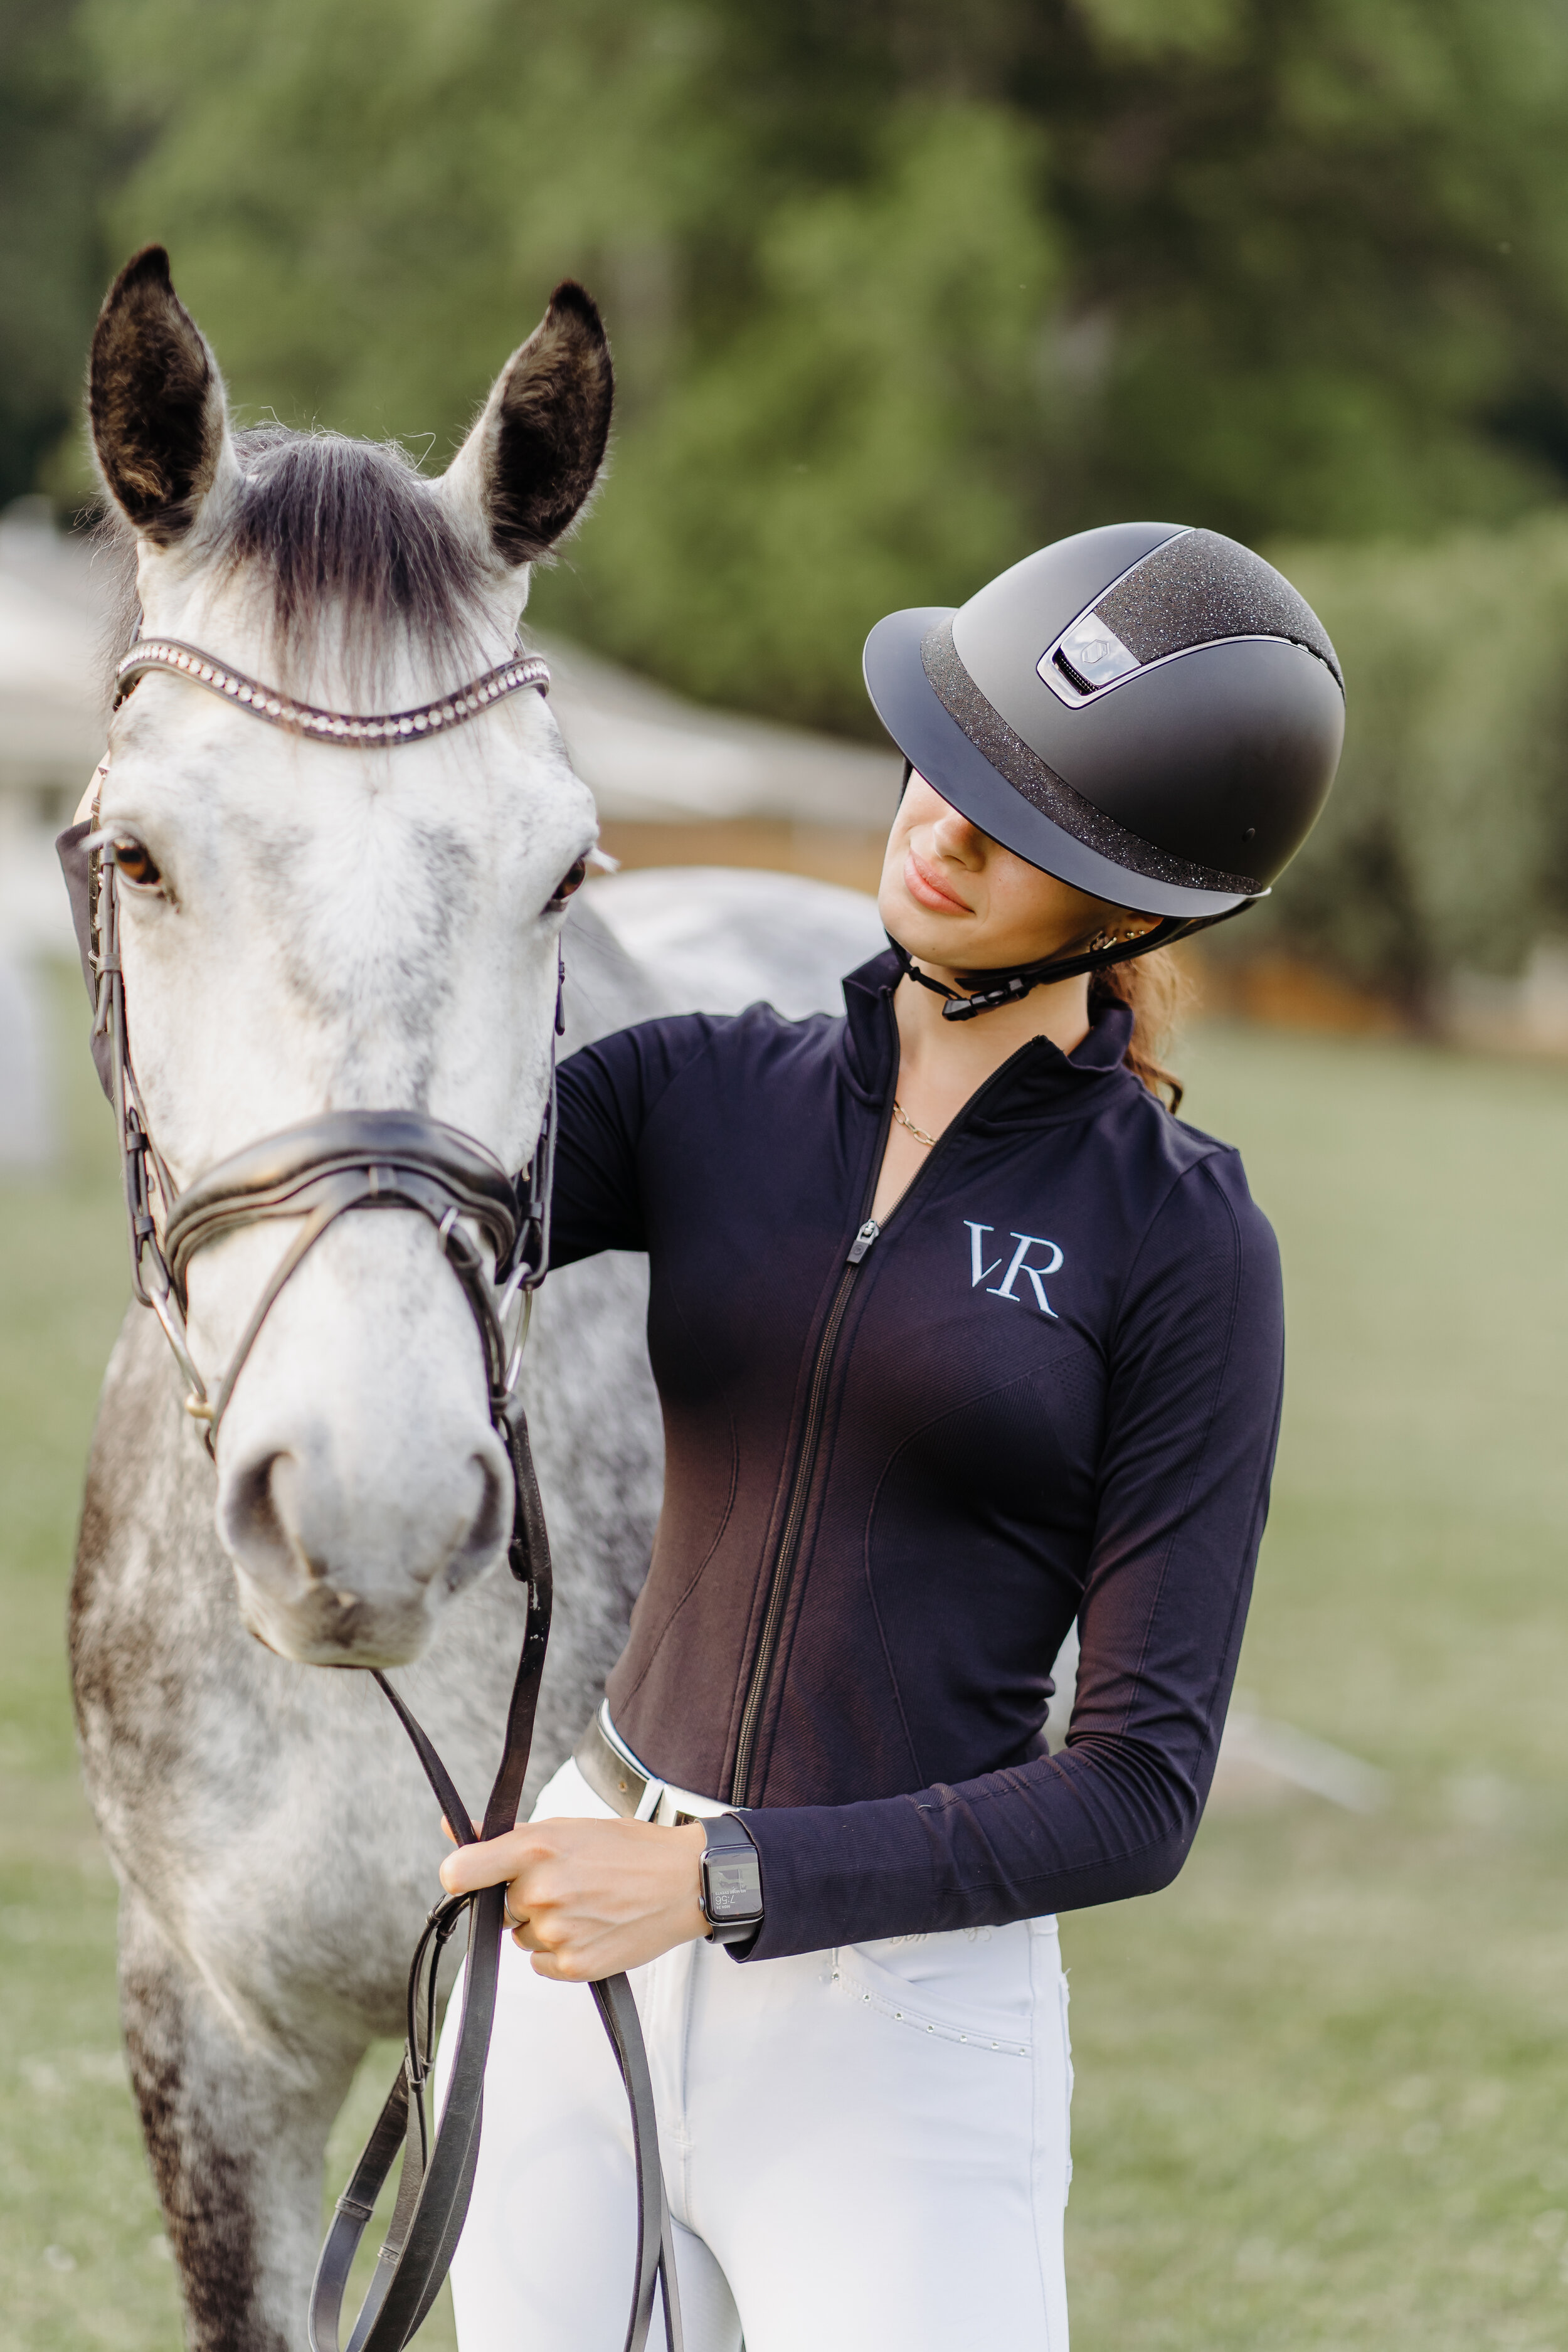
(983, 991)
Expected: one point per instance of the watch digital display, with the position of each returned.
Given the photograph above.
(734, 1886)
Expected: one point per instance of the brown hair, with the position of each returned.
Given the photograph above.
(1157, 990)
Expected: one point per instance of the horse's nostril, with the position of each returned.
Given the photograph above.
(314, 1532)
(489, 1528)
(258, 1522)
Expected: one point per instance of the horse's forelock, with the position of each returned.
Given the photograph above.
(336, 535)
(347, 532)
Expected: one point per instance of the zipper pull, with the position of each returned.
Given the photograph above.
(863, 1241)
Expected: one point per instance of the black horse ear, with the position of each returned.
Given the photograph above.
(524, 473)
(160, 424)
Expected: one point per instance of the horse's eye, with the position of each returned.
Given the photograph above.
(135, 861)
(572, 879)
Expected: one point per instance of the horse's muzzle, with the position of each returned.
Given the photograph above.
(331, 1580)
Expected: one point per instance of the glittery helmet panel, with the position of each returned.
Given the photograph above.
(1199, 587)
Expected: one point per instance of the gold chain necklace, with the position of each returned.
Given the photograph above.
(901, 1115)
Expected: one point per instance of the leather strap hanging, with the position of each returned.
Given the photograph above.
(436, 2177)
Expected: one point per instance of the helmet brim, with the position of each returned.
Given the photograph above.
(936, 746)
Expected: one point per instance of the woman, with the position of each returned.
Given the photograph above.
(961, 1337)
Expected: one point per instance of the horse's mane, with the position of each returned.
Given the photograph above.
(330, 529)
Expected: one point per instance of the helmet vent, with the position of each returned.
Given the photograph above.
(1091, 655)
(1194, 590)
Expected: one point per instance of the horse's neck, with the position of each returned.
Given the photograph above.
(605, 989)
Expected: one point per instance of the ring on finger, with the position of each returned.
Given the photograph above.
(508, 1913)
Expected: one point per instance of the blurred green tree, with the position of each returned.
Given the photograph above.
(56, 156)
(1445, 843)
(850, 442)
(898, 291)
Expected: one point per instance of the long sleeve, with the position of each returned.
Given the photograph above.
(606, 1094)
(1197, 1368)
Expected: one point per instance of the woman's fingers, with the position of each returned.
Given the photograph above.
(562, 1971)
(588, 1898)
(556, 1956)
(488, 1863)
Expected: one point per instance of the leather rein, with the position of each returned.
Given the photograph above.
(315, 1174)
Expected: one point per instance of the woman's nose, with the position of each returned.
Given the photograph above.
(956, 837)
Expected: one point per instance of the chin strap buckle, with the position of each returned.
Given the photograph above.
(985, 991)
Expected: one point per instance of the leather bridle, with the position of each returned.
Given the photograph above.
(316, 1172)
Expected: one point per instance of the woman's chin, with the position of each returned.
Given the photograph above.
(930, 937)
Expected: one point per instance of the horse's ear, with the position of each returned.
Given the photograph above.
(160, 423)
(524, 473)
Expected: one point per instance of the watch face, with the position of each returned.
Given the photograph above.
(734, 1884)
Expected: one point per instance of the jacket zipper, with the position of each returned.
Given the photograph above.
(816, 1407)
(783, 1564)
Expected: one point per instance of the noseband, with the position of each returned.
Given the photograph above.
(315, 1174)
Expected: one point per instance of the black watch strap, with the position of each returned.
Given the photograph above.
(732, 1881)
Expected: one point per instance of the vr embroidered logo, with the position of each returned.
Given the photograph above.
(980, 1272)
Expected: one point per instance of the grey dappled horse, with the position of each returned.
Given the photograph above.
(308, 927)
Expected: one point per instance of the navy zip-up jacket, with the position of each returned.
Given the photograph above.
(901, 1463)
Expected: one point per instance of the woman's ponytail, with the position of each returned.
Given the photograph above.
(1158, 991)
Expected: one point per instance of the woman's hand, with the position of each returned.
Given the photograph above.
(589, 1898)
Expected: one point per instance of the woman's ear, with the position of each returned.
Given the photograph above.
(160, 422)
(524, 474)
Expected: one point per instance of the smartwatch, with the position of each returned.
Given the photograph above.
(732, 1881)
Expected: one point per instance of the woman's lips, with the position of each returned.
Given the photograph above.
(928, 891)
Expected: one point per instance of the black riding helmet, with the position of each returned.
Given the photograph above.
(1149, 713)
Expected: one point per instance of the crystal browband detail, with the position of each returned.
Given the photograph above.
(329, 726)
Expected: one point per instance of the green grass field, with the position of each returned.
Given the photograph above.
(1321, 2080)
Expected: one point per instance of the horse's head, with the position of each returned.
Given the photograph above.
(308, 927)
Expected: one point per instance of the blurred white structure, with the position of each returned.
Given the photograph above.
(51, 730)
(1259, 1756)
(51, 718)
(679, 917)
(650, 757)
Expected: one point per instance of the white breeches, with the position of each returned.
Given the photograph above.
(866, 2150)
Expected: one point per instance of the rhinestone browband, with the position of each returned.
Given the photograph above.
(329, 726)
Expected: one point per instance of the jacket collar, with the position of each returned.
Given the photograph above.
(1040, 1078)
